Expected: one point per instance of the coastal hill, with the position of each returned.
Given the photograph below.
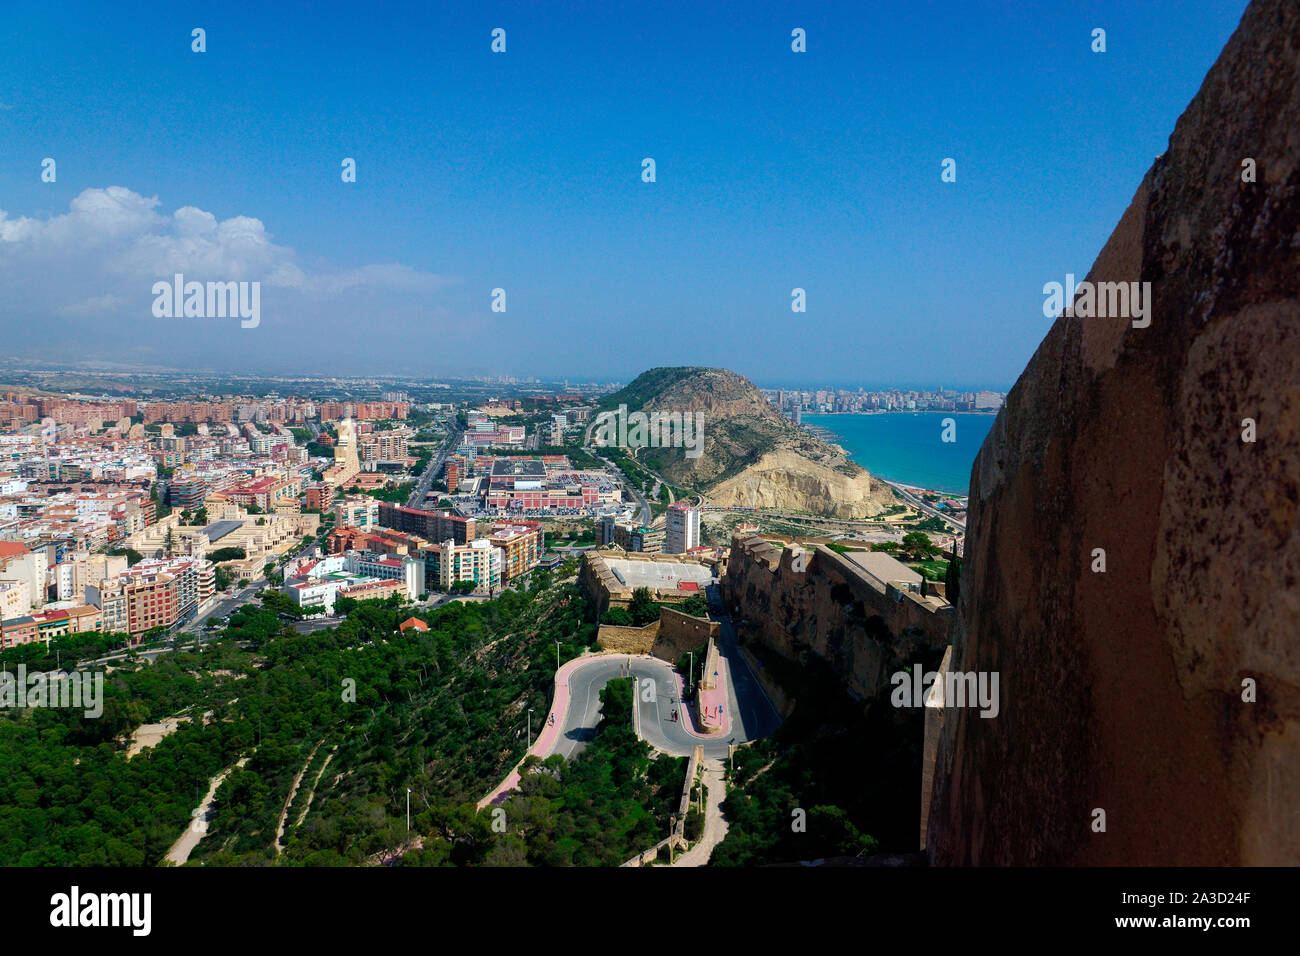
(751, 456)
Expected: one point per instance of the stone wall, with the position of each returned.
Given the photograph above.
(679, 633)
(832, 609)
(668, 638)
(628, 640)
(605, 590)
(1123, 690)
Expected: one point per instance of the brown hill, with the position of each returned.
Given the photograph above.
(751, 455)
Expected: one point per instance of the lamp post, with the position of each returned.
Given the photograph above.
(557, 656)
(408, 809)
(530, 728)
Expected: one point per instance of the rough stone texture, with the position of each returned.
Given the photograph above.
(1122, 690)
(627, 640)
(668, 638)
(832, 609)
(679, 633)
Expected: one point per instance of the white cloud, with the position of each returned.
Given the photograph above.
(113, 243)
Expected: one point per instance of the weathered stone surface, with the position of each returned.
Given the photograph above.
(1123, 690)
(784, 481)
(862, 630)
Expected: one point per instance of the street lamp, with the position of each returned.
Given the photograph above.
(530, 728)
(557, 656)
(408, 809)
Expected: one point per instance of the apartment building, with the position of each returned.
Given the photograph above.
(521, 545)
(154, 593)
(478, 561)
(359, 511)
(19, 630)
(109, 598)
(635, 537)
(383, 446)
(17, 563)
(187, 493)
(682, 528)
(15, 599)
(430, 525)
(319, 497)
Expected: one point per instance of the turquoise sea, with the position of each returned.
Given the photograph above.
(907, 447)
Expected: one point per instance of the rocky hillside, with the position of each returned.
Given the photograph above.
(751, 455)
(1163, 691)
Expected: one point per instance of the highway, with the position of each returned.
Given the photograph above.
(431, 472)
(924, 506)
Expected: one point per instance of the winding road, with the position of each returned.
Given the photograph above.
(576, 707)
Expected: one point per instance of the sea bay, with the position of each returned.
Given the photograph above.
(908, 447)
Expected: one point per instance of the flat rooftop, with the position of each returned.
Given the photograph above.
(883, 567)
(662, 576)
(518, 468)
(219, 529)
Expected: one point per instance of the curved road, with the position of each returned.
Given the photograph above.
(576, 707)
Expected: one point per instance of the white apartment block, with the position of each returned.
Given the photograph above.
(681, 529)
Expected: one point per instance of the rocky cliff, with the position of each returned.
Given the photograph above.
(751, 455)
(1123, 689)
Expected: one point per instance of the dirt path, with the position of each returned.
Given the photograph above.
(182, 848)
(288, 801)
(148, 735)
(715, 824)
(311, 794)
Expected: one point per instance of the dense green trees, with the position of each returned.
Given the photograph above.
(600, 809)
(919, 545)
(440, 712)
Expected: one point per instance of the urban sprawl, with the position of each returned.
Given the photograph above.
(142, 517)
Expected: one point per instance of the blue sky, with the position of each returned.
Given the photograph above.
(522, 170)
